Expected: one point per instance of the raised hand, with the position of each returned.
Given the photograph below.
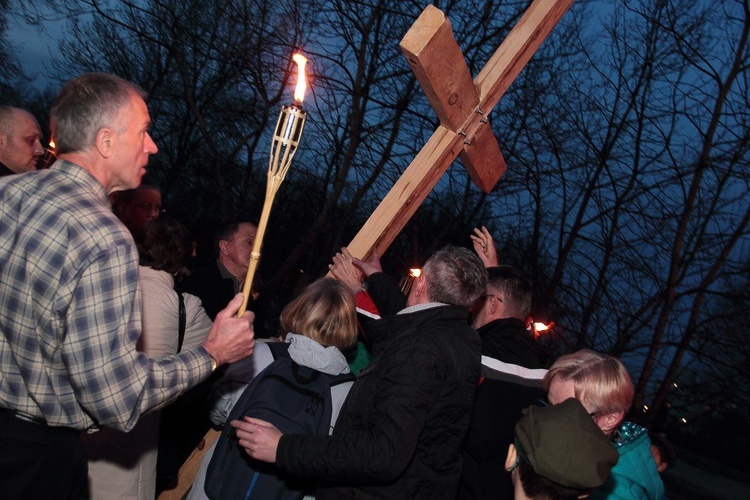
(343, 270)
(484, 246)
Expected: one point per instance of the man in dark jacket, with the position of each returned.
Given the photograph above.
(500, 318)
(218, 281)
(402, 426)
(185, 422)
(513, 371)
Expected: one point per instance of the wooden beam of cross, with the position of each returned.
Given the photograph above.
(462, 105)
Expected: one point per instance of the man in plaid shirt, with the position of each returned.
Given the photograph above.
(70, 304)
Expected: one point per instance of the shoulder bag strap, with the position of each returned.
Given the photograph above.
(183, 320)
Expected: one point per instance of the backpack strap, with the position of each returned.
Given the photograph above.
(303, 374)
(182, 321)
(278, 349)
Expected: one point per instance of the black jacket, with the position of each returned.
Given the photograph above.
(4, 170)
(207, 284)
(401, 429)
(215, 292)
(500, 401)
(385, 294)
(508, 340)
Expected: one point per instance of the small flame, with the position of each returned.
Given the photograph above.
(538, 328)
(52, 144)
(541, 327)
(299, 91)
(415, 273)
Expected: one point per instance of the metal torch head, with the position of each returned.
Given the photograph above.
(287, 136)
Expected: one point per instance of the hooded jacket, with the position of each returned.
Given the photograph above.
(635, 476)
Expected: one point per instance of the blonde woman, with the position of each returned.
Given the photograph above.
(321, 322)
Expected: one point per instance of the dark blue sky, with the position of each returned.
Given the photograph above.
(35, 48)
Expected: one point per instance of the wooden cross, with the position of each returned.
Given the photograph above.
(462, 106)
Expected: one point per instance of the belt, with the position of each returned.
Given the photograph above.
(24, 416)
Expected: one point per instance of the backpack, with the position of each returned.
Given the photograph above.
(294, 398)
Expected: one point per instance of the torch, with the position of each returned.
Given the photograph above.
(285, 141)
(408, 280)
(48, 158)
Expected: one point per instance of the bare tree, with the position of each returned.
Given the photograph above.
(11, 74)
(630, 175)
(214, 71)
(626, 197)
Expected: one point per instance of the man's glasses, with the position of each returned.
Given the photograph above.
(487, 296)
(148, 207)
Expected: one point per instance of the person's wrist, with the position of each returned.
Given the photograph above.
(355, 287)
(215, 362)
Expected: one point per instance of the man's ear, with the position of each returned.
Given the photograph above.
(512, 458)
(609, 422)
(494, 305)
(223, 246)
(104, 142)
(421, 286)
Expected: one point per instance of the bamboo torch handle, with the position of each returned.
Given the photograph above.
(255, 254)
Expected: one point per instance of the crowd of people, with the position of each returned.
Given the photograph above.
(116, 357)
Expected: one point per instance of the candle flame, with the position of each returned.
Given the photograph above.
(299, 91)
(415, 273)
(52, 144)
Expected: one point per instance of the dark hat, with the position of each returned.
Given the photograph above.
(563, 444)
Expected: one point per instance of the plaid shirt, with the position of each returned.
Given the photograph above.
(70, 308)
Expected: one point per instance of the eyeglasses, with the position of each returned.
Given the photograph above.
(486, 296)
(148, 207)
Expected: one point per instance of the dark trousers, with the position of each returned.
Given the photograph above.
(38, 461)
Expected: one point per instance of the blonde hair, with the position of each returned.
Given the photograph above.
(326, 312)
(601, 382)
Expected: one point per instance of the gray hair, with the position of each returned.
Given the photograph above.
(456, 276)
(86, 105)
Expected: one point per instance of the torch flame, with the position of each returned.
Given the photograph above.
(539, 328)
(415, 273)
(299, 91)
